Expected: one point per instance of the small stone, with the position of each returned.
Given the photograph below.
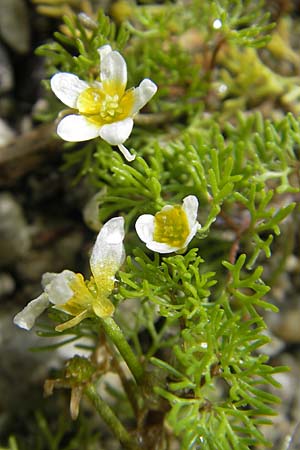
(7, 135)
(7, 106)
(6, 72)
(40, 107)
(34, 265)
(14, 350)
(7, 284)
(68, 247)
(14, 25)
(292, 263)
(25, 124)
(91, 211)
(51, 258)
(274, 347)
(14, 230)
(287, 327)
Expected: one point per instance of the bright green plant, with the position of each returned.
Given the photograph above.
(189, 325)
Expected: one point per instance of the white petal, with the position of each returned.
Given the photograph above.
(190, 207)
(26, 318)
(104, 51)
(167, 207)
(59, 290)
(76, 128)
(116, 133)
(112, 67)
(192, 233)
(145, 227)
(143, 93)
(126, 153)
(67, 87)
(108, 253)
(160, 247)
(47, 278)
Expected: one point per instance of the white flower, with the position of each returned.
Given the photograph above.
(103, 107)
(172, 228)
(69, 292)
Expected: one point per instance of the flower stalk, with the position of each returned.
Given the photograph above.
(109, 417)
(114, 332)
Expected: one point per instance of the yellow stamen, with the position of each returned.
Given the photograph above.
(81, 300)
(73, 322)
(90, 101)
(171, 226)
(90, 297)
(103, 106)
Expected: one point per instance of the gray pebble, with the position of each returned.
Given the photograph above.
(7, 284)
(14, 231)
(6, 72)
(6, 133)
(14, 24)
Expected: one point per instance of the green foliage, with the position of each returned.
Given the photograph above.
(12, 444)
(243, 22)
(211, 326)
(239, 176)
(215, 334)
(87, 330)
(76, 50)
(66, 436)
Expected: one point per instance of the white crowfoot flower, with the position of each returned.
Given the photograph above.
(69, 292)
(172, 228)
(104, 108)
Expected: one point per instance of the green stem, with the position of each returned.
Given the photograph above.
(109, 417)
(116, 335)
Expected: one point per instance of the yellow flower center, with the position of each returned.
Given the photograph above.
(89, 296)
(105, 105)
(82, 298)
(171, 226)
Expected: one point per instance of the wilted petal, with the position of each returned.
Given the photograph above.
(26, 318)
(59, 290)
(47, 277)
(81, 297)
(116, 133)
(76, 128)
(67, 87)
(142, 94)
(108, 254)
(76, 394)
(145, 227)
